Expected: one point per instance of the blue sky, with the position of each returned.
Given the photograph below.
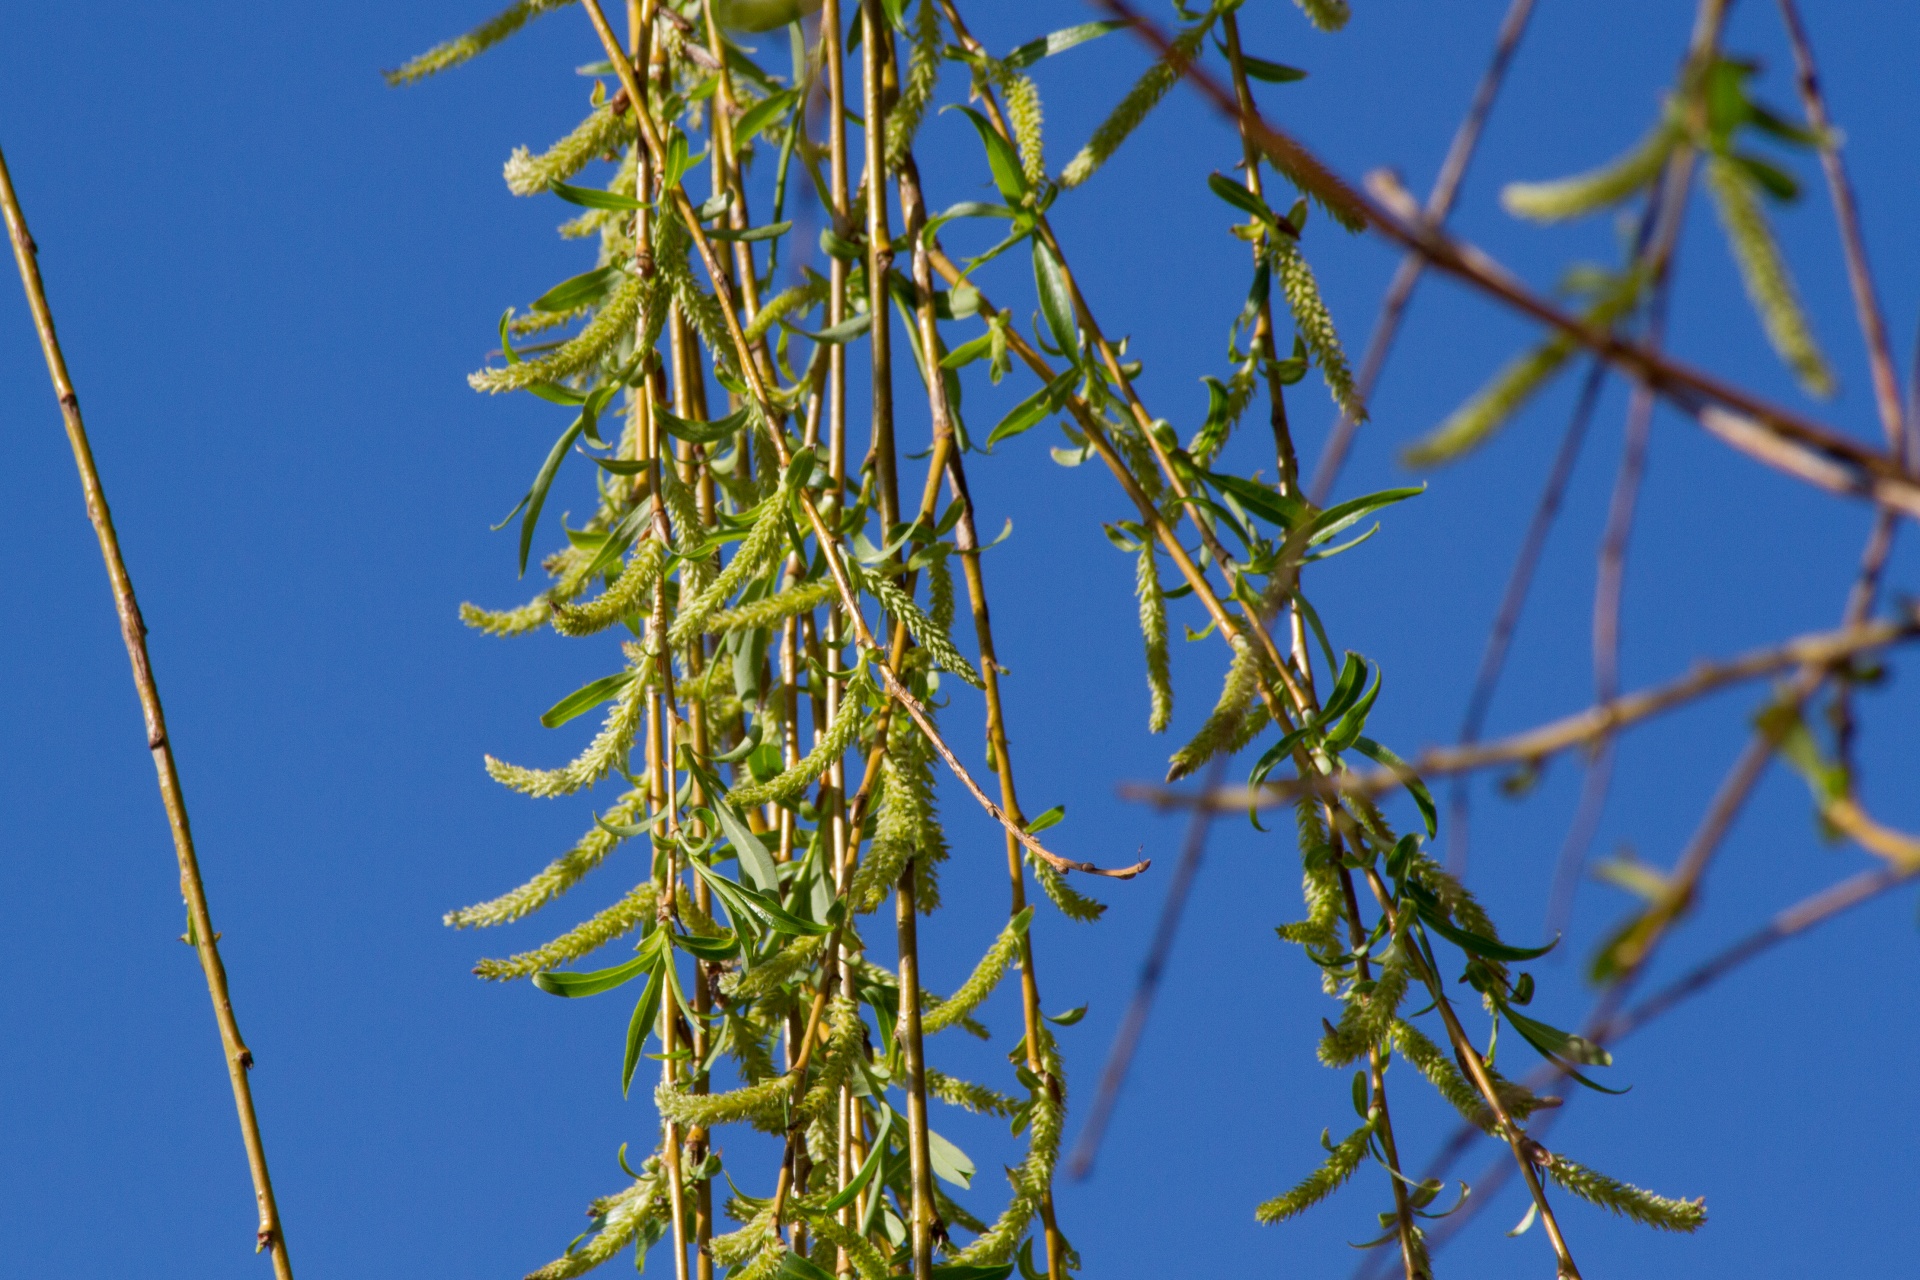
(271, 273)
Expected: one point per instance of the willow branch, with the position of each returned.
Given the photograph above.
(1533, 746)
(133, 629)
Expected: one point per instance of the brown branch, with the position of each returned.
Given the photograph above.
(133, 629)
(1392, 212)
(1534, 745)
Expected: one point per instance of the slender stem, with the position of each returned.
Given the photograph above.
(270, 1234)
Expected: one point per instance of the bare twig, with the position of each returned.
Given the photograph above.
(1534, 746)
(133, 629)
(1446, 188)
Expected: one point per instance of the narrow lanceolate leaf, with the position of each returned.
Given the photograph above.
(474, 43)
(561, 983)
(1597, 189)
(1134, 108)
(1627, 1200)
(1322, 1182)
(1764, 272)
(1153, 629)
(586, 698)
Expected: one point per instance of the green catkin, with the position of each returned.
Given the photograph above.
(1597, 189)
(474, 43)
(1368, 1017)
(980, 983)
(759, 1234)
(1212, 435)
(1764, 273)
(1328, 15)
(1046, 1121)
(866, 1259)
(1140, 100)
(612, 323)
(846, 1038)
(608, 748)
(600, 134)
(940, 595)
(683, 508)
(1426, 1057)
(1627, 1200)
(623, 1214)
(769, 975)
(761, 1104)
(762, 543)
(1315, 325)
(966, 1095)
(1236, 717)
(1073, 904)
(906, 825)
(1024, 113)
(925, 632)
(696, 303)
(583, 939)
(801, 298)
(568, 567)
(1339, 1165)
(1476, 421)
(559, 876)
(841, 734)
(630, 593)
(1153, 630)
(923, 73)
(770, 611)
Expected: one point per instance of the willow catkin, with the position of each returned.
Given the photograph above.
(1235, 717)
(608, 748)
(1764, 272)
(1339, 1165)
(622, 1216)
(985, 977)
(1315, 325)
(471, 45)
(600, 134)
(1328, 15)
(761, 544)
(840, 735)
(558, 876)
(1584, 193)
(631, 593)
(1476, 421)
(1153, 631)
(1626, 1199)
(1135, 107)
(583, 939)
(923, 73)
(611, 323)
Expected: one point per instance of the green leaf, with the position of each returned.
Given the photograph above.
(594, 198)
(629, 832)
(1051, 818)
(1271, 72)
(712, 950)
(741, 900)
(964, 1271)
(586, 698)
(967, 352)
(1560, 1046)
(644, 1011)
(1001, 158)
(560, 982)
(1056, 304)
(1030, 412)
(537, 495)
(1068, 1018)
(1281, 510)
(835, 335)
(865, 1175)
(950, 1163)
(750, 235)
(761, 114)
(1422, 797)
(795, 1267)
(695, 432)
(1777, 182)
(582, 290)
(1058, 42)
(1342, 514)
(1237, 195)
(756, 864)
(1478, 944)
